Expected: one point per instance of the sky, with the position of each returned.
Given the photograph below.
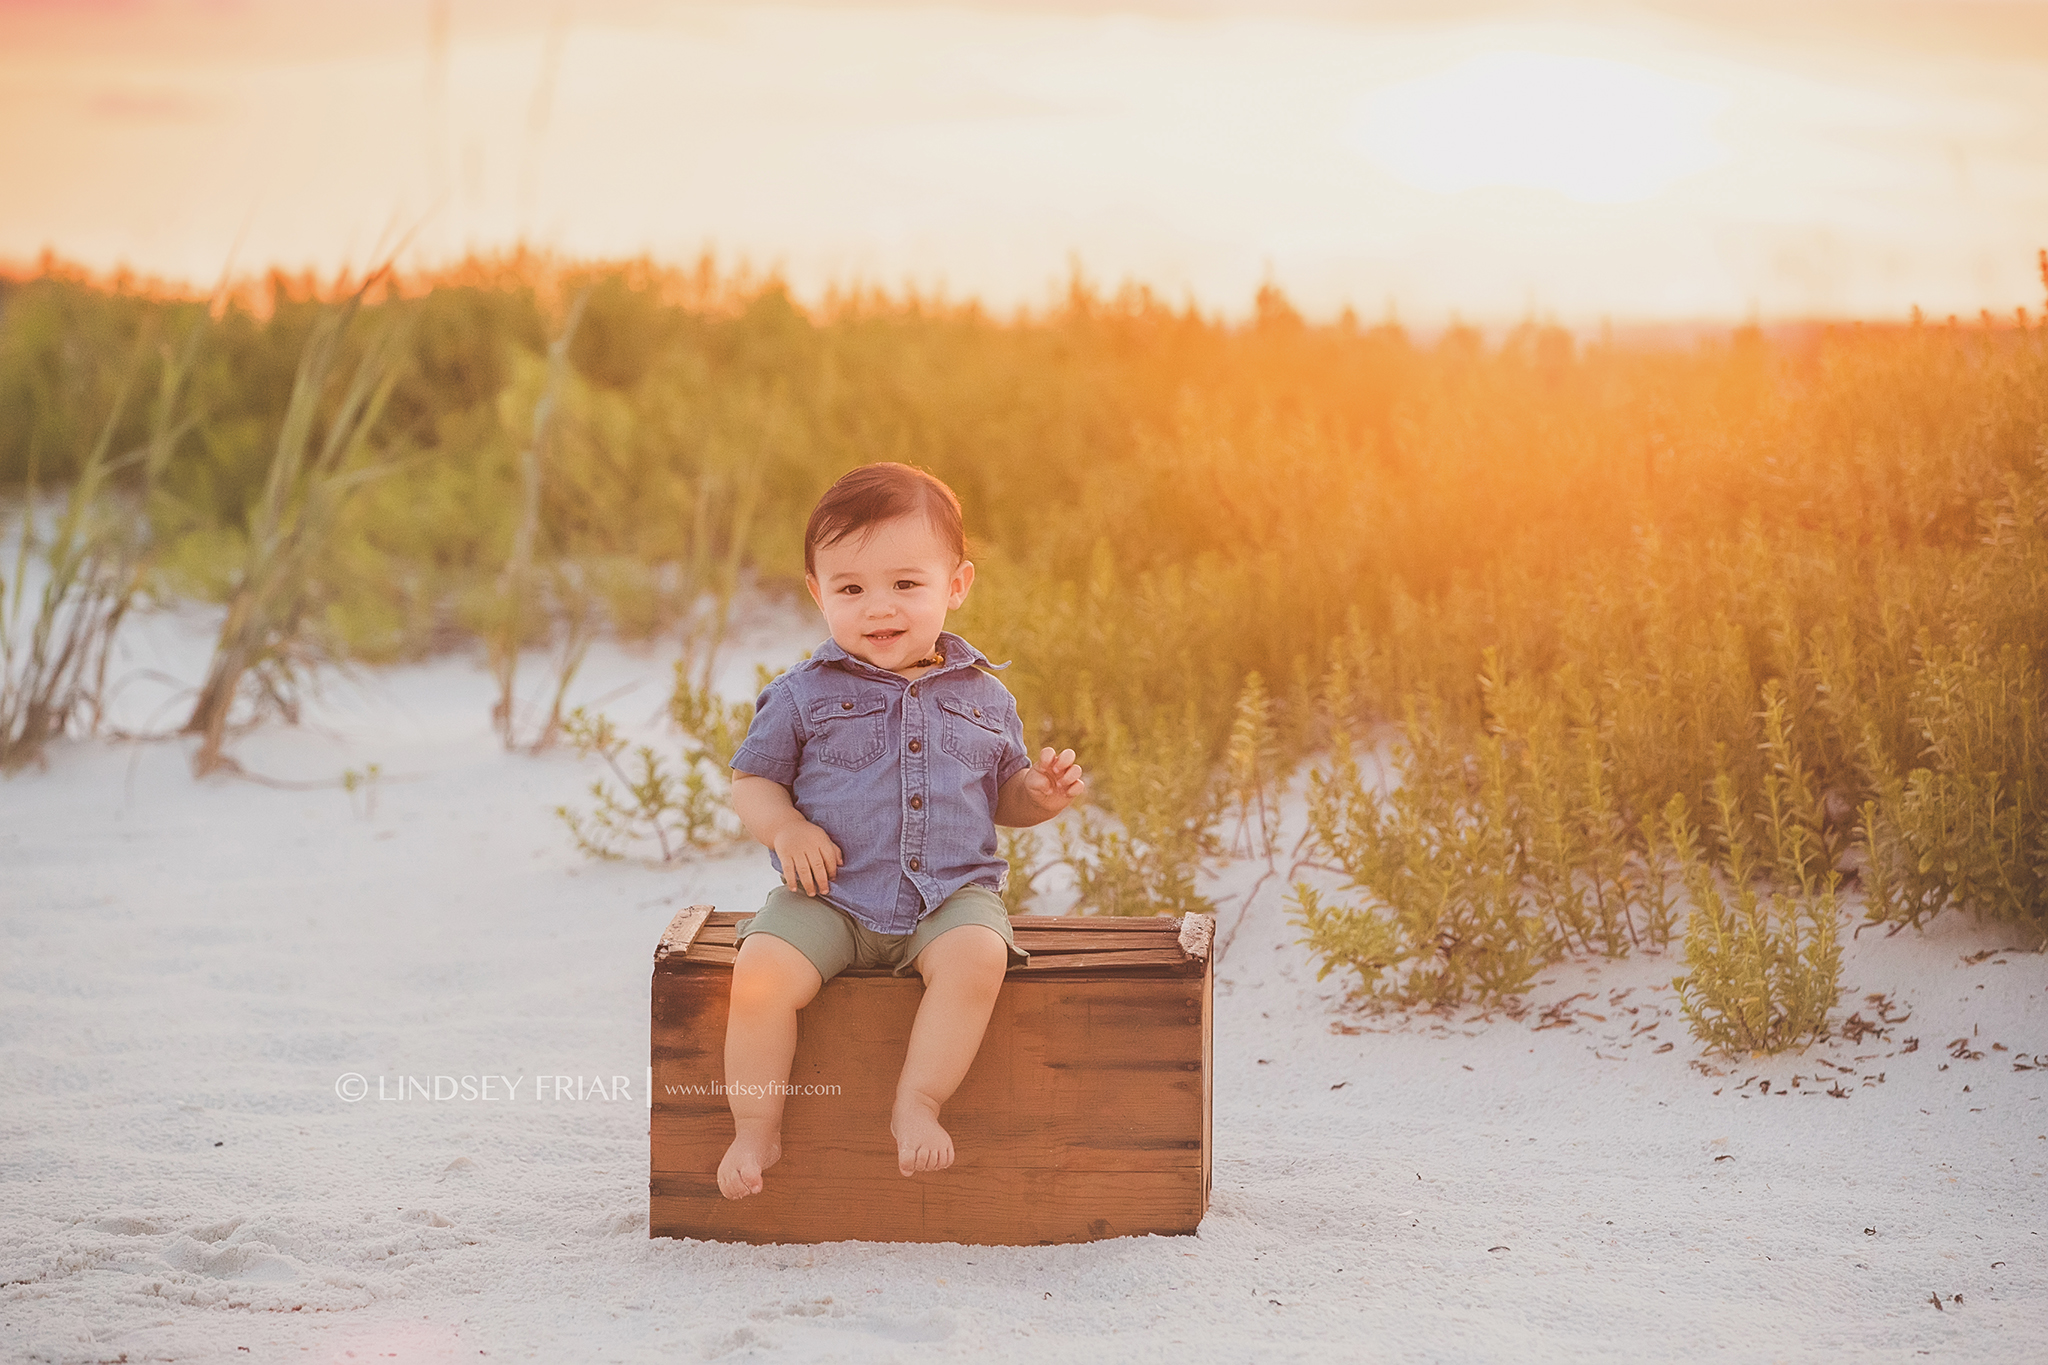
(1485, 159)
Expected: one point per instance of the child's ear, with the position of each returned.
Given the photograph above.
(811, 582)
(963, 579)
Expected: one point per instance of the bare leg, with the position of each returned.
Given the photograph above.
(963, 970)
(771, 981)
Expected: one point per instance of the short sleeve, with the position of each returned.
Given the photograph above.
(773, 741)
(1014, 759)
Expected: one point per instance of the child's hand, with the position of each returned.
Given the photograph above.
(1054, 782)
(809, 857)
(1041, 791)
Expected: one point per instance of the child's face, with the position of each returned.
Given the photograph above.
(885, 591)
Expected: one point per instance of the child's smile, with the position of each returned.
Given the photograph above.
(885, 592)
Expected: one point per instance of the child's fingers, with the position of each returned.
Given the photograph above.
(822, 867)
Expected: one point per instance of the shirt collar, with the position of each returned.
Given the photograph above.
(959, 654)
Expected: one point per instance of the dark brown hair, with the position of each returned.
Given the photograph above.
(875, 493)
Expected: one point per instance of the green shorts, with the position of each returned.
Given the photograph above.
(834, 940)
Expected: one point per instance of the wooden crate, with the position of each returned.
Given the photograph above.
(1086, 1113)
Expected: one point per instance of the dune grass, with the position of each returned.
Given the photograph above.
(78, 570)
(1592, 597)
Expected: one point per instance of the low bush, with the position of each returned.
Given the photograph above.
(1763, 964)
(1450, 915)
(1807, 567)
(677, 806)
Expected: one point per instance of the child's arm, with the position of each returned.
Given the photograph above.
(1041, 791)
(808, 855)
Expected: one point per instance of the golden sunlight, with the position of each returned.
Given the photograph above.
(1590, 129)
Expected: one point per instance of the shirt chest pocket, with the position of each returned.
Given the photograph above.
(848, 732)
(973, 734)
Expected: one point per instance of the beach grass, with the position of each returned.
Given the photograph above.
(1760, 617)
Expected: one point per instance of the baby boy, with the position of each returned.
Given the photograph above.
(878, 770)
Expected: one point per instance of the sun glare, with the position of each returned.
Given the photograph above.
(1598, 131)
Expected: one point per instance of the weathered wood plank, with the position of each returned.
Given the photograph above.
(682, 931)
(1208, 1073)
(712, 955)
(1127, 957)
(686, 1143)
(1036, 940)
(1008, 1208)
(1125, 923)
(1031, 939)
(1101, 1021)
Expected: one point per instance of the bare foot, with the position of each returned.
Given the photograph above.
(751, 1153)
(921, 1144)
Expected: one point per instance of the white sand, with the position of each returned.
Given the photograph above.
(189, 967)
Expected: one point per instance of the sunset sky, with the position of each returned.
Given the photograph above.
(1495, 160)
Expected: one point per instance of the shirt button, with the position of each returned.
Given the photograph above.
(917, 803)
(914, 864)
(913, 689)
(846, 706)
(915, 747)
(977, 713)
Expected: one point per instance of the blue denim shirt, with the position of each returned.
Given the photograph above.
(903, 775)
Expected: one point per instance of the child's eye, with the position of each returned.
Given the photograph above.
(905, 584)
(851, 589)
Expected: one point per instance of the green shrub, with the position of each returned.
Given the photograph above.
(1449, 918)
(680, 808)
(1969, 826)
(1763, 964)
(650, 802)
(1145, 860)
(1253, 774)
(1587, 874)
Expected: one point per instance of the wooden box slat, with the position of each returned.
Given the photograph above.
(1030, 938)
(1010, 1208)
(1086, 1113)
